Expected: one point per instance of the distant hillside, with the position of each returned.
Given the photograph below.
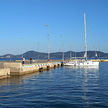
(40, 55)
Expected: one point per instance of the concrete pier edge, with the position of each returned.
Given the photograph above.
(15, 68)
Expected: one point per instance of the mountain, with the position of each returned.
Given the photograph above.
(40, 55)
(35, 54)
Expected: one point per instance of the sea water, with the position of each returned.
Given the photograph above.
(64, 87)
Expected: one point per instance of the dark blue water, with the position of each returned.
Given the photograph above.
(64, 87)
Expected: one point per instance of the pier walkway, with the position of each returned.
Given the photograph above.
(14, 68)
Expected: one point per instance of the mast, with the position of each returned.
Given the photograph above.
(63, 52)
(70, 55)
(48, 42)
(85, 55)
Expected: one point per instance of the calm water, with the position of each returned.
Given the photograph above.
(64, 87)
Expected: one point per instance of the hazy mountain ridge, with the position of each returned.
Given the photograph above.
(40, 55)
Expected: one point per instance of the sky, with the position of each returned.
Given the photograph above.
(22, 25)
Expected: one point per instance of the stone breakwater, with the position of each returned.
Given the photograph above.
(13, 68)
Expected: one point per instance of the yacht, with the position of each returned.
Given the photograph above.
(84, 62)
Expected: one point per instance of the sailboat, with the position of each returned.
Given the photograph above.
(84, 62)
(70, 62)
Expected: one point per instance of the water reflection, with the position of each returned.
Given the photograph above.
(16, 79)
(88, 85)
(5, 81)
(83, 67)
(89, 78)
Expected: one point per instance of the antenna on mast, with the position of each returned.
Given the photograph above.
(85, 55)
(62, 49)
(48, 42)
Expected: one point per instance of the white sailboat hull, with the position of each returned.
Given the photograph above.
(72, 63)
(82, 63)
(87, 63)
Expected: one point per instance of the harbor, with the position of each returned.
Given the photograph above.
(8, 69)
(53, 54)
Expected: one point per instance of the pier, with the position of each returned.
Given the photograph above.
(8, 69)
(101, 60)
